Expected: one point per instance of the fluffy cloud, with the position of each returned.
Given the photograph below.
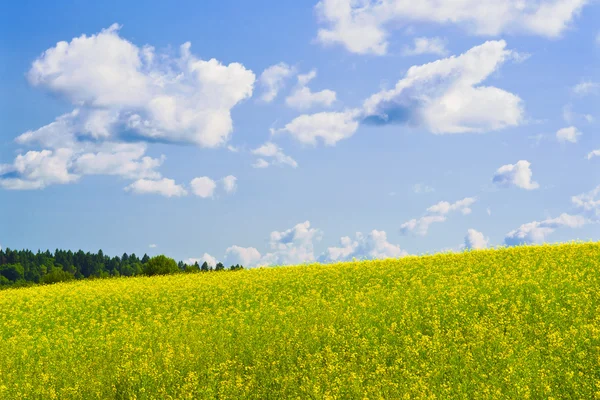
(229, 183)
(518, 175)
(589, 202)
(421, 225)
(586, 87)
(203, 186)
(271, 150)
(303, 98)
(446, 96)
(330, 127)
(246, 256)
(292, 246)
(210, 260)
(371, 246)
(536, 231)
(361, 26)
(272, 80)
(124, 86)
(592, 154)
(436, 213)
(425, 45)
(165, 187)
(475, 240)
(570, 134)
(443, 207)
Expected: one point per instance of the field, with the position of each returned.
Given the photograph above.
(520, 323)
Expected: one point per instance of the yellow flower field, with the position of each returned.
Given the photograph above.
(522, 322)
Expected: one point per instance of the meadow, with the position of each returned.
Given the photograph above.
(520, 322)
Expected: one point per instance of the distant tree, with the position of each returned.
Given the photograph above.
(204, 267)
(192, 268)
(160, 265)
(145, 259)
(57, 275)
(12, 272)
(219, 267)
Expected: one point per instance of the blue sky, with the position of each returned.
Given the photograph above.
(284, 132)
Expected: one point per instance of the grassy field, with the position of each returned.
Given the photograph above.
(515, 323)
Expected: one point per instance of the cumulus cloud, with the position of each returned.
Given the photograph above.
(446, 96)
(165, 187)
(273, 79)
(436, 213)
(246, 256)
(444, 207)
(570, 134)
(303, 98)
(589, 202)
(592, 154)
(424, 45)
(586, 87)
(275, 153)
(475, 240)
(371, 246)
(182, 100)
(362, 26)
(292, 246)
(229, 183)
(210, 260)
(330, 127)
(203, 186)
(537, 231)
(518, 175)
(152, 246)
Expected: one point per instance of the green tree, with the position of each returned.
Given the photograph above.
(219, 267)
(204, 267)
(12, 272)
(160, 265)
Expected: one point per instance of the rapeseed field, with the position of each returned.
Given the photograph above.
(521, 322)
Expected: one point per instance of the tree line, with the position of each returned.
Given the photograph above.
(25, 268)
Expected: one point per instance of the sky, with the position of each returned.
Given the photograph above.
(276, 133)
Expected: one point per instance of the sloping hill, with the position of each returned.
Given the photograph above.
(522, 322)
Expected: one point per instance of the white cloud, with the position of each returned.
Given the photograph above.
(536, 232)
(230, 183)
(371, 246)
(203, 186)
(424, 45)
(592, 154)
(260, 163)
(210, 260)
(38, 169)
(152, 246)
(444, 207)
(165, 187)
(121, 85)
(121, 159)
(272, 80)
(271, 150)
(331, 127)
(303, 98)
(589, 202)
(362, 26)
(475, 240)
(246, 256)
(489, 211)
(421, 225)
(446, 96)
(518, 175)
(436, 213)
(586, 87)
(570, 134)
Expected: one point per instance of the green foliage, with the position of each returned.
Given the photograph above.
(12, 272)
(219, 267)
(57, 275)
(160, 265)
